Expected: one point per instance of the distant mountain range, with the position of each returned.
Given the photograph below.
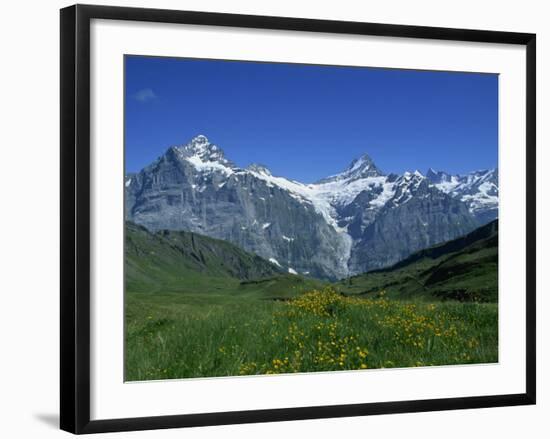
(349, 223)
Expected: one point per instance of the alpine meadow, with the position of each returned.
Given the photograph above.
(367, 237)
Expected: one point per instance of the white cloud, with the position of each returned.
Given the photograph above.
(144, 95)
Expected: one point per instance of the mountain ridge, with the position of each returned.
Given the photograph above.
(325, 229)
(178, 252)
(465, 269)
(168, 262)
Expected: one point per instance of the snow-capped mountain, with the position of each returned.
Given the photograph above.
(360, 168)
(344, 224)
(478, 189)
(204, 156)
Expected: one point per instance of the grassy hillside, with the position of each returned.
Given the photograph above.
(200, 307)
(183, 262)
(464, 269)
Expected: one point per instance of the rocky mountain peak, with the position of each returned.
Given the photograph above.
(410, 180)
(199, 150)
(259, 168)
(485, 174)
(200, 139)
(361, 167)
(200, 146)
(438, 176)
(409, 185)
(357, 220)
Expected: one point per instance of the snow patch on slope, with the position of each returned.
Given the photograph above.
(305, 194)
(484, 198)
(208, 166)
(342, 192)
(477, 188)
(388, 191)
(449, 185)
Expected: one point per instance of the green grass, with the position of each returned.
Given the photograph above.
(201, 307)
(172, 335)
(465, 269)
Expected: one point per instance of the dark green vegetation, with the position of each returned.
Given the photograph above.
(464, 269)
(184, 262)
(197, 306)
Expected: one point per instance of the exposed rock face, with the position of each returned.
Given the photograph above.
(345, 224)
(418, 216)
(478, 190)
(195, 188)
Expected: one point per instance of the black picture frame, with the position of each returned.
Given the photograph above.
(75, 217)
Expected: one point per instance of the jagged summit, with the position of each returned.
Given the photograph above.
(432, 173)
(408, 185)
(414, 174)
(355, 221)
(200, 138)
(200, 145)
(361, 167)
(200, 150)
(201, 154)
(438, 176)
(259, 168)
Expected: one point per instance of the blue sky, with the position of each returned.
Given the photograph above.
(307, 122)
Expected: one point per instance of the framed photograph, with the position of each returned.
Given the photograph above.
(268, 218)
